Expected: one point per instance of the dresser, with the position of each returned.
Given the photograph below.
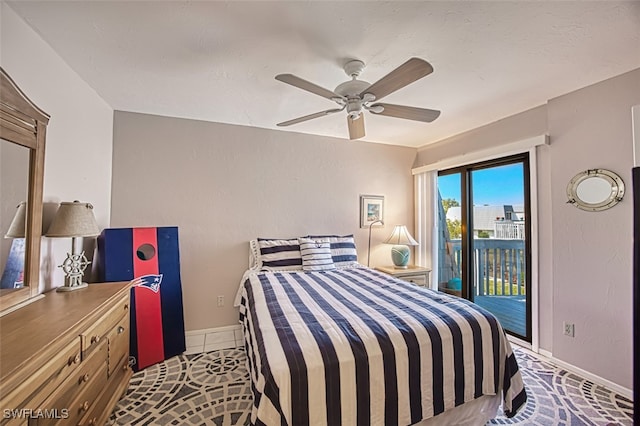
(64, 358)
(415, 274)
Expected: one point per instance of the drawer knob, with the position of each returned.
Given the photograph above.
(120, 329)
(126, 307)
(93, 421)
(85, 378)
(95, 339)
(125, 367)
(74, 360)
(85, 406)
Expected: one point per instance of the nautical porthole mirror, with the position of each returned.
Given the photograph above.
(595, 190)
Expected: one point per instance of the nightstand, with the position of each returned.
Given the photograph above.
(414, 274)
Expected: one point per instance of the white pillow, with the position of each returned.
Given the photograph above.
(343, 249)
(316, 255)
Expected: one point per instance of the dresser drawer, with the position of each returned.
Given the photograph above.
(88, 399)
(45, 380)
(419, 279)
(82, 404)
(14, 419)
(118, 341)
(98, 414)
(98, 331)
(83, 384)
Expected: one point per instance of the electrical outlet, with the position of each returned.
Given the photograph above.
(569, 329)
(220, 301)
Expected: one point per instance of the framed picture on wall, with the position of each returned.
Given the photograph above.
(371, 210)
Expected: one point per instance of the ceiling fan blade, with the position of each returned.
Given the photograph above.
(306, 85)
(412, 70)
(356, 127)
(408, 113)
(309, 117)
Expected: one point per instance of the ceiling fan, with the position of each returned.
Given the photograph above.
(358, 95)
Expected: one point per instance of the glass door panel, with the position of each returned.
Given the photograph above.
(449, 235)
(498, 245)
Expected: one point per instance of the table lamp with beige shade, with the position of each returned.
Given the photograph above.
(74, 220)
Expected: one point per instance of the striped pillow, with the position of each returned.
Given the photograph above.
(279, 255)
(343, 249)
(316, 255)
(254, 255)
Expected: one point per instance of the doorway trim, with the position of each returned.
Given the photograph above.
(426, 220)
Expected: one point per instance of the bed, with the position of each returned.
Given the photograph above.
(347, 345)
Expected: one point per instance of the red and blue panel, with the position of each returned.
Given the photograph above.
(150, 258)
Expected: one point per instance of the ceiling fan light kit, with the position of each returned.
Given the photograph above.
(358, 95)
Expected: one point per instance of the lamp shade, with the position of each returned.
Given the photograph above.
(19, 222)
(74, 220)
(400, 236)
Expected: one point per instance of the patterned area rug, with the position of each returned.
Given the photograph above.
(213, 389)
(558, 397)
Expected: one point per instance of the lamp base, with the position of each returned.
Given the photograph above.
(72, 288)
(73, 267)
(400, 255)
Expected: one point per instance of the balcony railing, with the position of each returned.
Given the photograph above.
(508, 230)
(499, 266)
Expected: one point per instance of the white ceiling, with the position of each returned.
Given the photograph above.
(216, 61)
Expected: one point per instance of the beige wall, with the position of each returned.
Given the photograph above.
(79, 135)
(517, 127)
(584, 258)
(592, 252)
(223, 185)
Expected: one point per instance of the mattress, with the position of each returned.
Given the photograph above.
(354, 346)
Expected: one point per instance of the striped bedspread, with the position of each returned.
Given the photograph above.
(354, 346)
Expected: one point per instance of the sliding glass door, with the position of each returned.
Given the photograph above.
(484, 233)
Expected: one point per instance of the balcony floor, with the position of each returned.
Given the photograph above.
(510, 311)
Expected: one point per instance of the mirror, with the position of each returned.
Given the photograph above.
(595, 190)
(14, 183)
(22, 128)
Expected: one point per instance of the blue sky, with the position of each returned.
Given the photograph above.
(494, 186)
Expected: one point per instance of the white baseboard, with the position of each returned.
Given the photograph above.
(213, 330)
(211, 339)
(548, 356)
(545, 353)
(521, 343)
